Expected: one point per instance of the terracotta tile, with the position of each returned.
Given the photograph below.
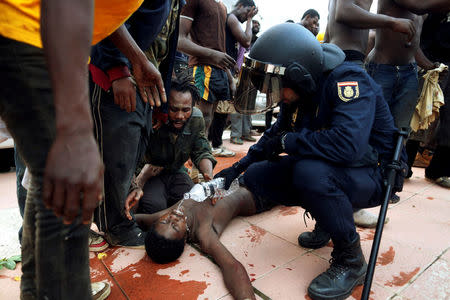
(287, 223)
(258, 250)
(418, 172)
(421, 222)
(190, 277)
(376, 292)
(291, 280)
(256, 219)
(416, 184)
(10, 283)
(434, 283)
(436, 191)
(8, 197)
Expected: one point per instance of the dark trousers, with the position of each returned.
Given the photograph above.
(55, 257)
(122, 138)
(21, 192)
(327, 191)
(163, 191)
(216, 129)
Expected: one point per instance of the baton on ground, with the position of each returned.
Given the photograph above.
(383, 210)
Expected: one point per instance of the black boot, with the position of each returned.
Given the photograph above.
(315, 239)
(347, 270)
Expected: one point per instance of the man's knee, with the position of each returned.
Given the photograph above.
(312, 176)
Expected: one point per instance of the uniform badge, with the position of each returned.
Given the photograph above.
(348, 90)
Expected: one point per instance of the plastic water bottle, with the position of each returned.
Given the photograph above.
(211, 189)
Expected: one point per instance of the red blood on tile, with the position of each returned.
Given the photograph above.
(357, 292)
(255, 234)
(386, 257)
(290, 269)
(192, 254)
(308, 297)
(288, 210)
(430, 198)
(403, 278)
(252, 279)
(184, 272)
(273, 266)
(252, 274)
(158, 286)
(251, 265)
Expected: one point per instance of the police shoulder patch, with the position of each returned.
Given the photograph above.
(348, 90)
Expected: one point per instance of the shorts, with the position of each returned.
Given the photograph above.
(212, 83)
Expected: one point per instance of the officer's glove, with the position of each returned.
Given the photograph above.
(274, 146)
(230, 174)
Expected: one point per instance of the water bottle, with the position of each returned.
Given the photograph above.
(211, 189)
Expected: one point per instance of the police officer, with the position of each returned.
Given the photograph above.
(336, 130)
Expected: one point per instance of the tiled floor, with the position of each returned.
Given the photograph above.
(413, 258)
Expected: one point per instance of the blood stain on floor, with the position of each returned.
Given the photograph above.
(386, 257)
(403, 278)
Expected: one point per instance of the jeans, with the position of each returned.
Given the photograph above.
(400, 87)
(240, 125)
(122, 138)
(55, 257)
(163, 191)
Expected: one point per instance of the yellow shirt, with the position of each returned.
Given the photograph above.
(20, 19)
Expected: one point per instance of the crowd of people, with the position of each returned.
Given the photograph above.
(108, 100)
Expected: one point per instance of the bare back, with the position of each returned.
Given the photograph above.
(344, 36)
(392, 47)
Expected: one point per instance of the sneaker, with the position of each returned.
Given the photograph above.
(222, 152)
(134, 238)
(236, 140)
(248, 138)
(366, 219)
(97, 243)
(100, 290)
(255, 133)
(443, 181)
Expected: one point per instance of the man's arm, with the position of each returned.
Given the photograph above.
(206, 168)
(349, 13)
(186, 45)
(147, 76)
(234, 274)
(423, 7)
(243, 37)
(73, 164)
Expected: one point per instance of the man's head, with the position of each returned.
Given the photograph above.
(289, 71)
(256, 27)
(166, 238)
(182, 97)
(310, 21)
(242, 9)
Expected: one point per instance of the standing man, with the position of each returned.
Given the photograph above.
(45, 106)
(310, 20)
(205, 22)
(123, 115)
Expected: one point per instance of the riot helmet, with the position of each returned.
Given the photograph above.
(286, 55)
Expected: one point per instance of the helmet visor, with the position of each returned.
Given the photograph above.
(259, 87)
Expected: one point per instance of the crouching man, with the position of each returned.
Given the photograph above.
(164, 179)
(338, 134)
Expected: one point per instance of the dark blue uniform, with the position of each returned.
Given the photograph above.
(337, 143)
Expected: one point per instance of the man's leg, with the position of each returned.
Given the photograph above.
(236, 127)
(216, 130)
(176, 185)
(155, 196)
(329, 193)
(48, 246)
(21, 192)
(122, 139)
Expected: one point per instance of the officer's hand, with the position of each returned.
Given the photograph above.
(124, 92)
(405, 26)
(222, 60)
(229, 174)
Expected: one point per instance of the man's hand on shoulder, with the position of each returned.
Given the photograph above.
(405, 26)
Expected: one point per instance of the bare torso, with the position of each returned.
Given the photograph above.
(346, 37)
(392, 47)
